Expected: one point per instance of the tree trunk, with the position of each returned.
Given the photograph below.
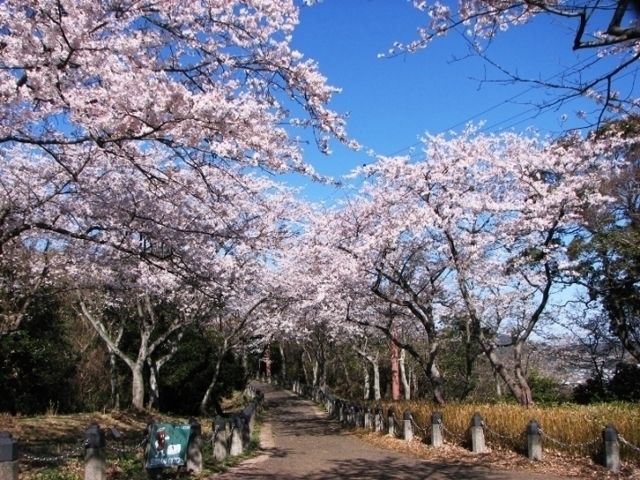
(367, 386)
(245, 360)
(137, 386)
(376, 381)
(403, 375)
(305, 370)
(154, 371)
(395, 367)
(113, 371)
(147, 323)
(513, 386)
(345, 370)
(154, 391)
(204, 403)
(316, 372)
(266, 359)
(373, 360)
(526, 398)
(113, 378)
(438, 384)
(414, 382)
(283, 362)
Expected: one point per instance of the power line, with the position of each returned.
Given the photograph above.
(565, 71)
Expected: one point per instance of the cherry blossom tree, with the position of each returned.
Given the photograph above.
(376, 275)
(103, 99)
(243, 316)
(179, 247)
(197, 82)
(494, 214)
(23, 256)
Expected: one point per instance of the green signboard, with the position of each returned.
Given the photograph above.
(168, 445)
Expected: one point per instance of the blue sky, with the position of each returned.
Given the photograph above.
(392, 102)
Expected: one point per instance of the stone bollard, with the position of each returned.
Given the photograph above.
(378, 420)
(194, 449)
(391, 424)
(436, 429)
(246, 428)
(477, 434)
(8, 457)
(360, 417)
(249, 413)
(611, 448)
(534, 441)
(259, 400)
(407, 433)
(94, 457)
(237, 432)
(220, 439)
(368, 422)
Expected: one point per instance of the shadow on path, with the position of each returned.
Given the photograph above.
(308, 445)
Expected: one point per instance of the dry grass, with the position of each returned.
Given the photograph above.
(570, 429)
(553, 463)
(71, 428)
(61, 435)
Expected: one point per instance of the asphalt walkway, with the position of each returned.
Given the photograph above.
(299, 441)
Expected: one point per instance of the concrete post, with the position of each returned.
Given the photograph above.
(8, 457)
(534, 441)
(237, 447)
(194, 449)
(246, 430)
(391, 424)
(436, 429)
(407, 434)
(611, 448)
(368, 422)
(360, 417)
(249, 413)
(220, 439)
(378, 421)
(94, 458)
(259, 400)
(477, 435)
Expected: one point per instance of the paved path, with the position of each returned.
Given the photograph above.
(300, 442)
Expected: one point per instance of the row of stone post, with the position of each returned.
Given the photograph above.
(534, 434)
(610, 445)
(231, 438)
(364, 417)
